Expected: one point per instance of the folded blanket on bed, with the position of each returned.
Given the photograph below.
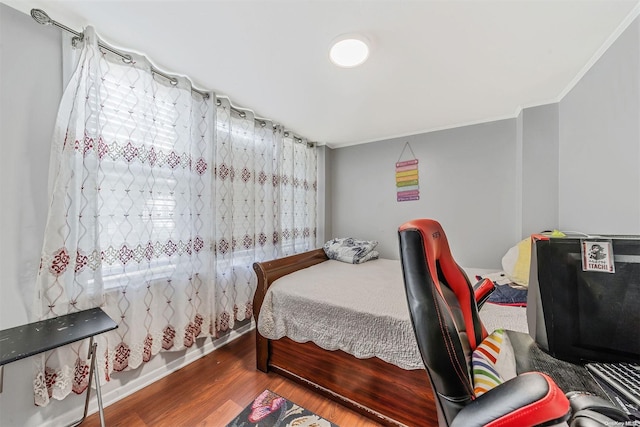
(350, 250)
(506, 291)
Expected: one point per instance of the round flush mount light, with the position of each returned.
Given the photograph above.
(349, 51)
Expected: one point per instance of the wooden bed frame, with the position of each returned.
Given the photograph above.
(379, 390)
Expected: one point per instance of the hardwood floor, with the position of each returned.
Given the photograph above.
(213, 390)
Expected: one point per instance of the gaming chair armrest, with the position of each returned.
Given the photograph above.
(530, 399)
(482, 290)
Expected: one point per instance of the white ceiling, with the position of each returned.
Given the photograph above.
(433, 65)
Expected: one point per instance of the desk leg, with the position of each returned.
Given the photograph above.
(92, 372)
(98, 390)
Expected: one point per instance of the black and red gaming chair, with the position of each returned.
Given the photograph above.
(444, 313)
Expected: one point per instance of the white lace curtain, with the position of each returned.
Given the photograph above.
(160, 201)
(265, 205)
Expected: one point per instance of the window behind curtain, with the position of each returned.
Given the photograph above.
(131, 217)
(148, 164)
(265, 198)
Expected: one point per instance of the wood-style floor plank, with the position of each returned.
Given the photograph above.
(213, 390)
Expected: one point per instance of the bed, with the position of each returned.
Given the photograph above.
(387, 385)
(371, 386)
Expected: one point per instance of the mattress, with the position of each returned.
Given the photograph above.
(360, 309)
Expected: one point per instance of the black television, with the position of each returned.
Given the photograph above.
(584, 297)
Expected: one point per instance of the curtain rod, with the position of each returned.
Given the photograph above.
(41, 17)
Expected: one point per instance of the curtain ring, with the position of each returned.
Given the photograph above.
(173, 81)
(76, 40)
(127, 59)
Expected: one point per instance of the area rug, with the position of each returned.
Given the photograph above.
(272, 410)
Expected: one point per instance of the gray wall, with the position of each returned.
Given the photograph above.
(30, 91)
(324, 194)
(573, 165)
(468, 182)
(540, 137)
(600, 143)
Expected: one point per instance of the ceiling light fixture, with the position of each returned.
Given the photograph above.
(349, 51)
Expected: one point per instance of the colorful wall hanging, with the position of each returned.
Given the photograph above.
(407, 187)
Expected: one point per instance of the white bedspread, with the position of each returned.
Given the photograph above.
(357, 308)
(360, 309)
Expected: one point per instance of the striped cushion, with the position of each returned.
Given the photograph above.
(492, 362)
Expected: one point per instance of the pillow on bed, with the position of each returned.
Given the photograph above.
(516, 262)
(350, 250)
(493, 362)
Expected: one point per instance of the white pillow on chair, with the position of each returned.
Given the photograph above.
(493, 362)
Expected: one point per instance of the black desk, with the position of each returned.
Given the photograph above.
(38, 337)
(578, 315)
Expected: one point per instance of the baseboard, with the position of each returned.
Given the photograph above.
(110, 397)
